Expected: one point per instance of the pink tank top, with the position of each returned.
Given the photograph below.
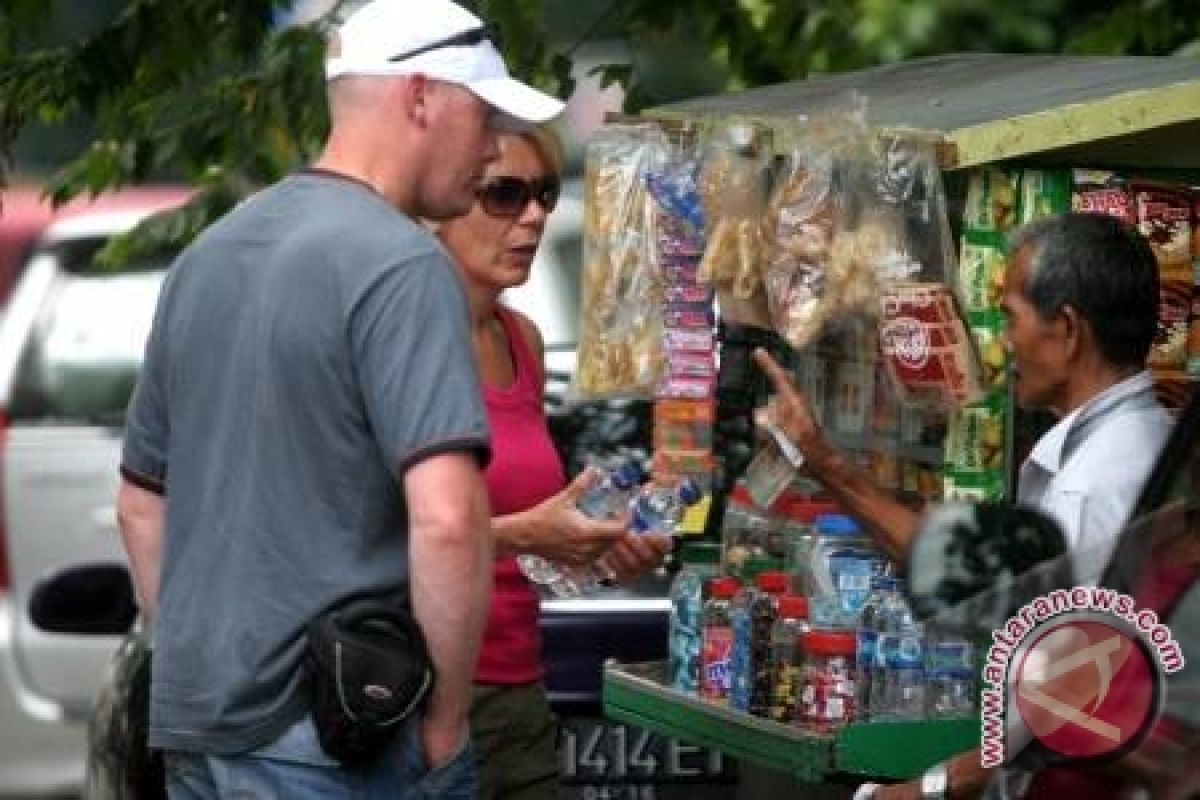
(525, 470)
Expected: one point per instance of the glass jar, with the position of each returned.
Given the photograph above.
(787, 658)
(827, 696)
(745, 531)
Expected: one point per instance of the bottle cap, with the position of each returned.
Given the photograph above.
(724, 587)
(741, 496)
(773, 581)
(688, 492)
(794, 606)
(830, 643)
(806, 510)
(888, 583)
(837, 525)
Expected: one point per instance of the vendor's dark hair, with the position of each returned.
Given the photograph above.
(1101, 267)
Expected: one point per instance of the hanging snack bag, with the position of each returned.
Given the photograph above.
(620, 347)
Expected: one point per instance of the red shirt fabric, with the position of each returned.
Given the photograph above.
(525, 470)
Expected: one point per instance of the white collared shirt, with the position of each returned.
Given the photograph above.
(1087, 471)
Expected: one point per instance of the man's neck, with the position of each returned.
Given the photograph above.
(1086, 384)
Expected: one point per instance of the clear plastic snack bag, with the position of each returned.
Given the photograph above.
(620, 348)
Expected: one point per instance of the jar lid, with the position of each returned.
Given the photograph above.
(741, 495)
(700, 552)
(830, 643)
(886, 582)
(773, 580)
(794, 606)
(837, 524)
(808, 510)
(724, 587)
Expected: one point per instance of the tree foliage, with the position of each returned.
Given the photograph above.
(215, 93)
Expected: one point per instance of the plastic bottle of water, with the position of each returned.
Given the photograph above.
(659, 509)
(869, 676)
(605, 499)
(950, 677)
(901, 644)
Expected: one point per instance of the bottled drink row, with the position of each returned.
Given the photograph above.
(818, 638)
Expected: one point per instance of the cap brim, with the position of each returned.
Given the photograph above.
(515, 99)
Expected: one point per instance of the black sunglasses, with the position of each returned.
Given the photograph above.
(508, 196)
(486, 33)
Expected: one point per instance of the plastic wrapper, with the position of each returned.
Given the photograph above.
(733, 188)
(620, 347)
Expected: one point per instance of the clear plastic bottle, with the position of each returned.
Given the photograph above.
(605, 499)
(901, 643)
(717, 640)
(741, 671)
(843, 563)
(699, 562)
(787, 657)
(950, 677)
(659, 509)
(869, 675)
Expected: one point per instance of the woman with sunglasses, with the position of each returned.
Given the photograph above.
(533, 508)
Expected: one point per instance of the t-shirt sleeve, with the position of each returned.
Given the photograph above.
(411, 340)
(144, 451)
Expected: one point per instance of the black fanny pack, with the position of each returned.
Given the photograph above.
(369, 670)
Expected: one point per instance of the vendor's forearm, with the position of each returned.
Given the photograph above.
(890, 522)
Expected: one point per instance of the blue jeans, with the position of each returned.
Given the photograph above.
(294, 767)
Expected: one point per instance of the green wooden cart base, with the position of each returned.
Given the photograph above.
(637, 694)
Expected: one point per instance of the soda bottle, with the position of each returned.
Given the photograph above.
(699, 563)
(716, 640)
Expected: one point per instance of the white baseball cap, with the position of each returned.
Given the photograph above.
(441, 40)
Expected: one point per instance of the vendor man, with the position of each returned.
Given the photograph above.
(1081, 300)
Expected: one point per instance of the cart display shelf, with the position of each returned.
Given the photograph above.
(638, 694)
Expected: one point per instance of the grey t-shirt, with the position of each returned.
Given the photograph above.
(307, 349)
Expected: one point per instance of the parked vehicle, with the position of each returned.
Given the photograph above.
(70, 342)
(70, 349)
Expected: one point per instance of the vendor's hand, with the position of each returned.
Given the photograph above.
(635, 554)
(566, 535)
(792, 413)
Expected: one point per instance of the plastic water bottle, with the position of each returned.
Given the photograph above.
(659, 509)
(605, 499)
(901, 643)
(950, 677)
(870, 671)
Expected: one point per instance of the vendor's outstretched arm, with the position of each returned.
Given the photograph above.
(889, 521)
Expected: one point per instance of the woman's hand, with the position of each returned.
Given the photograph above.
(566, 535)
(792, 413)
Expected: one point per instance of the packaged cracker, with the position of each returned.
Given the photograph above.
(925, 345)
(991, 203)
(975, 439)
(1043, 192)
(1164, 218)
(1102, 192)
(981, 272)
(987, 329)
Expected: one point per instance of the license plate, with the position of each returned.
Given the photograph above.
(599, 752)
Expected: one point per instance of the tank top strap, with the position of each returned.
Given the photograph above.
(528, 365)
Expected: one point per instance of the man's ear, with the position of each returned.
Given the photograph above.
(414, 93)
(1075, 330)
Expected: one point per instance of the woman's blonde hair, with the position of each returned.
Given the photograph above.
(548, 144)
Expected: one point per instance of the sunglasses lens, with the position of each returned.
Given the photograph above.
(508, 197)
(505, 197)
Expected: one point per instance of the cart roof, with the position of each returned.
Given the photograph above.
(1115, 111)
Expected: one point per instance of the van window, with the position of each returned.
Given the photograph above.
(81, 359)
